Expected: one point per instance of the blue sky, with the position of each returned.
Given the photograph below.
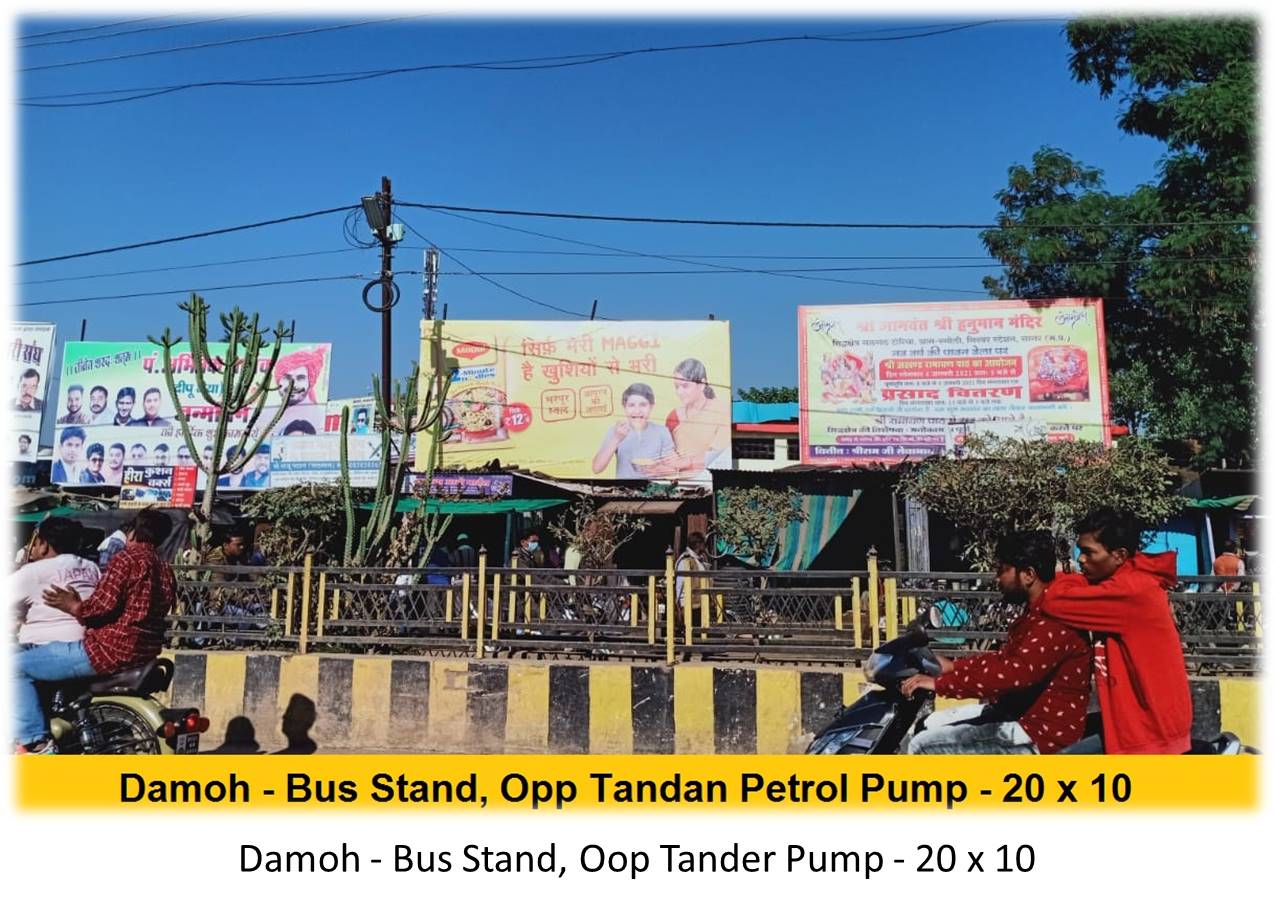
(918, 130)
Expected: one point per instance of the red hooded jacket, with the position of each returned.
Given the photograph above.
(1139, 669)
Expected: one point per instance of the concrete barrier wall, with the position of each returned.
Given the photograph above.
(373, 703)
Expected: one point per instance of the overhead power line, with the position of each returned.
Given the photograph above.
(134, 31)
(188, 236)
(208, 44)
(834, 225)
(90, 28)
(184, 290)
(512, 65)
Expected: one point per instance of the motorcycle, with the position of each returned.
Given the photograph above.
(118, 714)
(880, 720)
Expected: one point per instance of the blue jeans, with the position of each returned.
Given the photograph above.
(962, 730)
(45, 662)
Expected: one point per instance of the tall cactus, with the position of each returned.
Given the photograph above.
(408, 415)
(239, 389)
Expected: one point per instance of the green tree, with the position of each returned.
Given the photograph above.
(306, 519)
(749, 521)
(1179, 289)
(1003, 485)
(770, 395)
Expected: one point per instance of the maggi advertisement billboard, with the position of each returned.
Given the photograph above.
(902, 381)
(626, 400)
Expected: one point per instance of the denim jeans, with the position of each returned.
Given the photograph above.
(44, 662)
(960, 730)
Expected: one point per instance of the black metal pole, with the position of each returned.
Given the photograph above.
(387, 289)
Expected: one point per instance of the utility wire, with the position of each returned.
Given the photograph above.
(208, 44)
(184, 290)
(134, 31)
(837, 225)
(189, 236)
(527, 63)
(494, 283)
(90, 28)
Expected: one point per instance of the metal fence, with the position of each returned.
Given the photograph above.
(668, 615)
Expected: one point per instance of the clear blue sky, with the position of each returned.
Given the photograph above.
(903, 131)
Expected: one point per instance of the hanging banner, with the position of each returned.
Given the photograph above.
(30, 359)
(903, 381)
(459, 485)
(626, 400)
(122, 384)
(169, 487)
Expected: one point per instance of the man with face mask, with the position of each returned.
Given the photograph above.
(1034, 689)
(529, 553)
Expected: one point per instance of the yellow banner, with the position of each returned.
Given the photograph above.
(623, 400)
(626, 783)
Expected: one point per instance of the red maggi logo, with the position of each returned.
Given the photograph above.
(471, 349)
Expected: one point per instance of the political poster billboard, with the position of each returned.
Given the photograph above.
(302, 459)
(363, 419)
(123, 384)
(609, 399)
(93, 454)
(888, 382)
(30, 360)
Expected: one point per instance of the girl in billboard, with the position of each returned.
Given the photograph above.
(700, 426)
(634, 442)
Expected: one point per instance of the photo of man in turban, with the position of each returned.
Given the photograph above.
(304, 368)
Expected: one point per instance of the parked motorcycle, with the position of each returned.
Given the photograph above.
(880, 720)
(118, 714)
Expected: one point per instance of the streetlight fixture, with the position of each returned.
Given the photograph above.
(374, 213)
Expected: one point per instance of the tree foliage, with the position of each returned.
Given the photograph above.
(749, 521)
(303, 519)
(596, 534)
(1179, 292)
(770, 395)
(1004, 485)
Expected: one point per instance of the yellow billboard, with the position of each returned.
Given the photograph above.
(586, 399)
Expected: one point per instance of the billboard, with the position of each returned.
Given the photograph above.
(92, 454)
(122, 384)
(626, 400)
(902, 381)
(30, 359)
(363, 419)
(170, 487)
(295, 460)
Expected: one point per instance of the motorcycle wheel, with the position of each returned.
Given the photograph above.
(119, 730)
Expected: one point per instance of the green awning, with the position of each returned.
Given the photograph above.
(501, 506)
(37, 516)
(1238, 502)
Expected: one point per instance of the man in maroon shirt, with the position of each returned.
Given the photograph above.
(123, 624)
(1034, 689)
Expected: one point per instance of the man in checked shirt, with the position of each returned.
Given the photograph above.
(123, 625)
(1033, 690)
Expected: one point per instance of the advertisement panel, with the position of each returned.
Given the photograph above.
(362, 415)
(902, 381)
(122, 384)
(169, 487)
(627, 400)
(87, 455)
(297, 459)
(30, 359)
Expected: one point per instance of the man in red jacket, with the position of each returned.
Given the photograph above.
(1139, 669)
(1034, 689)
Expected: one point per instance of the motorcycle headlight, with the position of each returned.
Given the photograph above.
(833, 742)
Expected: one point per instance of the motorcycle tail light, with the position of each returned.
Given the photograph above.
(168, 730)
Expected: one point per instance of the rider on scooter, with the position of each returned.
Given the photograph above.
(123, 625)
(1034, 689)
(1139, 670)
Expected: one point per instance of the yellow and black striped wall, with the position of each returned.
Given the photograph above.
(404, 703)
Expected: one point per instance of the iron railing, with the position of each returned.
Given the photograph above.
(811, 616)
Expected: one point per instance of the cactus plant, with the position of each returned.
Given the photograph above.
(407, 416)
(242, 386)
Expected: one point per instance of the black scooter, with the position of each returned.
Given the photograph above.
(880, 720)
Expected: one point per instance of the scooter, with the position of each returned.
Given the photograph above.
(880, 720)
(118, 714)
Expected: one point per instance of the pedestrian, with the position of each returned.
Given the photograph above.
(1229, 564)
